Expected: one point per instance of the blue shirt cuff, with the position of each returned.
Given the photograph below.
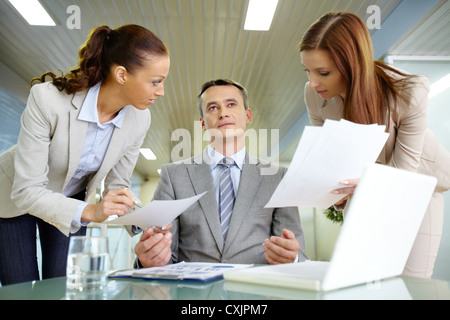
(76, 221)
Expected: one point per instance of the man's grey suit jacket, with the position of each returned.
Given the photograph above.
(197, 235)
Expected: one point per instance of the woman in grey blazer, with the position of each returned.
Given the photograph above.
(345, 82)
(77, 130)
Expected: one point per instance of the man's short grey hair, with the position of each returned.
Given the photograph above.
(221, 82)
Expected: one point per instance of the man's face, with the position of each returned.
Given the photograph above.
(224, 111)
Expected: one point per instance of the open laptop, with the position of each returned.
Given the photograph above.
(375, 240)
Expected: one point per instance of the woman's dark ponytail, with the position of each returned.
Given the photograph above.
(126, 46)
(91, 57)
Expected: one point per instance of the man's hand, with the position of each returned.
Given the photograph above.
(153, 248)
(282, 249)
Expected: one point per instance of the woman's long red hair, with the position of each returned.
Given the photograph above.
(369, 87)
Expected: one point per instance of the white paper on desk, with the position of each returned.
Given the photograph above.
(325, 156)
(157, 213)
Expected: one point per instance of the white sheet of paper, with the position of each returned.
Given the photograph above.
(157, 213)
(325, 156)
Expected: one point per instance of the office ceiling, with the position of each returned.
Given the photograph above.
(207, 41)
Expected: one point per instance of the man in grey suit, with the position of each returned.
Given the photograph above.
(248, 233)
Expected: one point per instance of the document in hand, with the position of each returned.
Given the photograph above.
(325, 156)
(157, 213)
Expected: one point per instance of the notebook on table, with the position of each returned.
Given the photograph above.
(375, 240)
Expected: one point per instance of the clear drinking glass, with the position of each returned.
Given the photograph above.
(87, 262)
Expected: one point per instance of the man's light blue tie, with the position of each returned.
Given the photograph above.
(226, 195)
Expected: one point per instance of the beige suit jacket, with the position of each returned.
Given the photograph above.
(34, 172)
(197, 235)
(411, 145)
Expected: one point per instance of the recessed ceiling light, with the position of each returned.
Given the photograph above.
(260, 14)
(148, 154)
(33, 12)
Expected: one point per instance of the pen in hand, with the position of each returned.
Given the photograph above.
(138, 204)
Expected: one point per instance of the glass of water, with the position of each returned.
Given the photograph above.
(87, 262)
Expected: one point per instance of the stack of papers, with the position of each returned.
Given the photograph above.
(325, 156)
(183, 271)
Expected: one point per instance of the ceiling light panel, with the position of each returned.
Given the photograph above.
(33, 12)
(260, 14)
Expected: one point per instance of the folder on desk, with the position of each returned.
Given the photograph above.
(377, 235)
(183, 271)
